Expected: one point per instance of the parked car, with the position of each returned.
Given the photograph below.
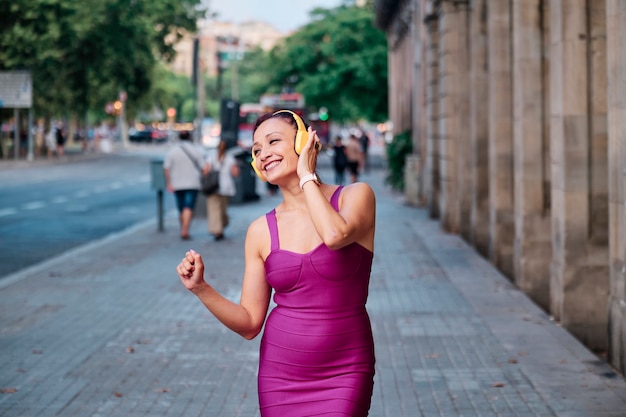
(147, 135)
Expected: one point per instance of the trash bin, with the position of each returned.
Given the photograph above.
(246, 181)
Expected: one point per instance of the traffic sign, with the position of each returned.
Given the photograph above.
(16, 89)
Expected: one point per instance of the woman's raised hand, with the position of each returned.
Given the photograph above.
(191, 271)
(308, 156)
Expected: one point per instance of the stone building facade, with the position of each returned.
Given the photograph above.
(517, 110)
(216, 36)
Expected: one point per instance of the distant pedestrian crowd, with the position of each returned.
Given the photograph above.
(351, 157)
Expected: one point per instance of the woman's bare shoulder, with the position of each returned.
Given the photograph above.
(359, 185)
(360, 190)
(258, 226)
(258, 237)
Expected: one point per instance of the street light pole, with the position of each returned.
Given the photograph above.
(16, 134)
(121, 119)
(235, 55)
(201, 97)
(198, 83)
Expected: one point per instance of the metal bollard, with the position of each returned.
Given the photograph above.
(158, 184)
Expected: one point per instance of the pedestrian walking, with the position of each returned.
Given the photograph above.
(217, 203)
(339, 160)
(314, 250)
(182, 167)
(51, 142)
(60, 139)
(364, 140)
(354, 155)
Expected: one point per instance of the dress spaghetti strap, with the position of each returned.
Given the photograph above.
(273, 226)
(334, 199)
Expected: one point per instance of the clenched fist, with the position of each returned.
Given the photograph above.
(191, 271)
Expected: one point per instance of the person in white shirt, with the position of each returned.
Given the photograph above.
(217, 203)
(182, 168)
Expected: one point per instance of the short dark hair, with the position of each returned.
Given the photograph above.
(184, 135)
(287, 117)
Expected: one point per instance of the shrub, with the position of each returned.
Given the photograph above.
(397, 150)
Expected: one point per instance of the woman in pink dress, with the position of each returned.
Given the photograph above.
(314, 251)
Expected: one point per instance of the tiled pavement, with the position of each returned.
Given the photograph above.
(107, 330)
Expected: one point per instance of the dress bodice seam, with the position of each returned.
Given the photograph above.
(317, 248)
(272, 223)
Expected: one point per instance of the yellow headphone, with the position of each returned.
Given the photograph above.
(301, 137)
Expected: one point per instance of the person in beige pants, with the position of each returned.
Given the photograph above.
(354, 155)
(217, 204)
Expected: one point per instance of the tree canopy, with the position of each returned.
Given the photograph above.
(82, 53)
(338, 61)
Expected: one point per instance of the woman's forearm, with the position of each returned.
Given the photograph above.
(232, 315)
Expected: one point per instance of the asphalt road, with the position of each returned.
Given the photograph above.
(50, 207)
(47, 209)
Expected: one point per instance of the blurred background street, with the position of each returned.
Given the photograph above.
(494, 135)
(106, 329)
(50, 207)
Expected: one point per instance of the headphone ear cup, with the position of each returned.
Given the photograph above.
(301, 138)
(258, 173)
(302, 135)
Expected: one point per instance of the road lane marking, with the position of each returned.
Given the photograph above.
(34, 205)
(77, 208)
(8, 211)
(129, 210)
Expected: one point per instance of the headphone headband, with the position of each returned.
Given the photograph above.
(299, 142)
(298, 119)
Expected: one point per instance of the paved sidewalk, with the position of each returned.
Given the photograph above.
(107, 330)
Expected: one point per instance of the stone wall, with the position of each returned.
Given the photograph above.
(533, 246)
(580, 280)
(519, 129)
(432, 187)
(453, 115)
(500, 104)
(479, 128)
(616, 63)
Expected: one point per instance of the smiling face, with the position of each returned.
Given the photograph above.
(273, 149)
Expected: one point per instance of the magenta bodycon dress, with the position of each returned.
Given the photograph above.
(317, 351)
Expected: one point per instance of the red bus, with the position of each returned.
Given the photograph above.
(248, 113)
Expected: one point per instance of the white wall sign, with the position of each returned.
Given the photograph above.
(16, 89)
